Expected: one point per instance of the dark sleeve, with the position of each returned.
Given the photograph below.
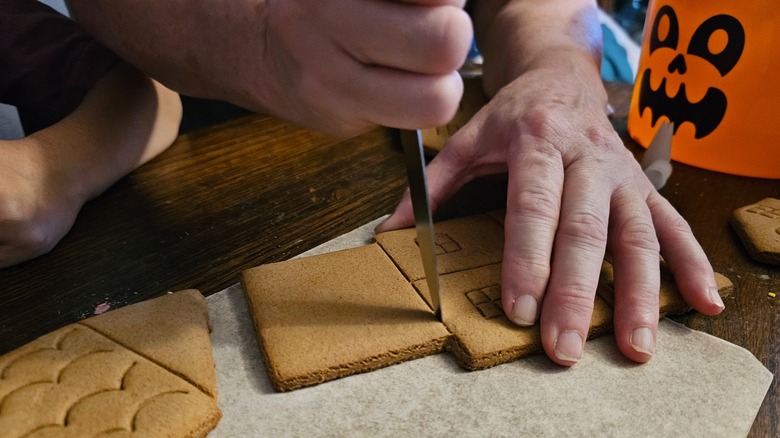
(47, 62)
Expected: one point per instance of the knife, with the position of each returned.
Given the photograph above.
(423, 219)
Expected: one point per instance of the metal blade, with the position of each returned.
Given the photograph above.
(423, 219)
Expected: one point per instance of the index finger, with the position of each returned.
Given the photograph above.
(423, 39)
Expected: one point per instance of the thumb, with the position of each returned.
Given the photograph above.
(402, 216)
(445, 176)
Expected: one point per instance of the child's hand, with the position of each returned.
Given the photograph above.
(37, 202)
(124, 121)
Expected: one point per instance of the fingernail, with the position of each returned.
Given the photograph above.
(524, 310)
(715, 298)
(642, 340)
(568, 346)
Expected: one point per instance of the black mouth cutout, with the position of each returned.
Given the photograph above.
(705, 115)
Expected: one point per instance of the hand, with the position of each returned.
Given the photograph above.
(125, 120)
(574, 191)
(338, 66)
(36, 207)
(345, 66)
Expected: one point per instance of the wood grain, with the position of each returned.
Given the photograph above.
(244, 193)
(257, 190)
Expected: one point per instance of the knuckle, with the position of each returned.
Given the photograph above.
(646, 304)
(443, 101)
(534, 272)
(638, 233)
(454, 36)
(680, 226)
(31, 239)
(537, 201)
(34, 239)
(443, 41)
(575, 298)
(604, 136)
(22, 231)
(13, 215)
(585, 226)
(541, 123)
(437, 43)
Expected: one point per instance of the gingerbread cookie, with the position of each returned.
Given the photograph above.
(758, 227)
(335, 314)
(145, 370)
(328, 316)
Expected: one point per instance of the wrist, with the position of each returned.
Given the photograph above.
(563, 63)
(50, 159)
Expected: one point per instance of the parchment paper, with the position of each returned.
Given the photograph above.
(696, 385)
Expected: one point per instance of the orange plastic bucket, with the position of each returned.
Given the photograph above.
(712, 68)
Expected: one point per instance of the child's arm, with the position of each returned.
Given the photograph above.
(45, 178)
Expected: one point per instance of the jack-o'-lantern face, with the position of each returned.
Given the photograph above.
(711, 69)
(715, 45)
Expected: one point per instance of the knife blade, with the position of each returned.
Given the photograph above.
(423, 218)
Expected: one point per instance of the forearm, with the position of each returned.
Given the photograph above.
(124, 121)
(516, 36)
(190, 46)
(45, 178)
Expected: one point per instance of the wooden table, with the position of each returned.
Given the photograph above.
(257, 190)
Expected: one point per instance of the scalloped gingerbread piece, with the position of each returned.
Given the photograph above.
(117, 374)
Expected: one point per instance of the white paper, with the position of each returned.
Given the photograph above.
(695, 385)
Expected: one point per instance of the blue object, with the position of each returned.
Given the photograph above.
(614, 63)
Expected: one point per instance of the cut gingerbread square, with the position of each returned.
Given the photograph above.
(483, 335)
(328, 316)
(758, 227)
(461, 244)
(332, 315)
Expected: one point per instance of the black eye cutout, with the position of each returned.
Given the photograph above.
(727, 58)
(670, 40)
